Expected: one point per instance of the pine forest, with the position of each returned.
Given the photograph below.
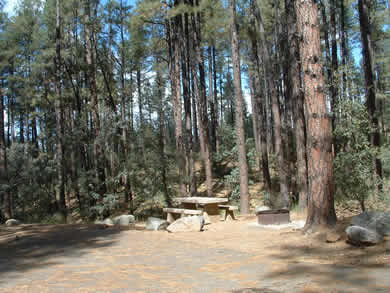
(124, 105)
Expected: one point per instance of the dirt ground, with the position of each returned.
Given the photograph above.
(226, 257)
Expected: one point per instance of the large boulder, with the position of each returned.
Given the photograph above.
(376, 221)
(124, 220)
(156, 224)
(12, 222)
(187, 224)
(362, 236)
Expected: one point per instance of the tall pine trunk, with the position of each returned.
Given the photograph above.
(321, 210)
(295, 93)
(239, 115)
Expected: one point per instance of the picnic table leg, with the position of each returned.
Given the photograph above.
(204, 214)
(223, 214)
(170, 218)
(230, 215)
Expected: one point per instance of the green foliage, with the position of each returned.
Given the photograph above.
(30, 182)
(354, 173)
(385, 157)
(229, 153)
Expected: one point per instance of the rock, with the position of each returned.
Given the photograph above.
(187, 224)
(332, 237)
(12, 222)
(262, 208)
(124, 220)
(156, 224)
(108, 222)
(362, 236)
(377, 221)
(383, 223)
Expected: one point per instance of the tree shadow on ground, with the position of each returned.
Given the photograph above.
(27, 247)
(334, 266)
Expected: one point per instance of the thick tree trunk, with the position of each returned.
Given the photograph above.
(321, 210)
(239, 115)
(59, 118)
(294, 84)
(369, 75)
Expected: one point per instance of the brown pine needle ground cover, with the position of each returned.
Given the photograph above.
(226, 257)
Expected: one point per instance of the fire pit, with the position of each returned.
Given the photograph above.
(273, 217)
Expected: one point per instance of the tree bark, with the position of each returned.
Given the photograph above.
(239, 115)
(321, 210)
(294, 84)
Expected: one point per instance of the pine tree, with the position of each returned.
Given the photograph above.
(321, 210)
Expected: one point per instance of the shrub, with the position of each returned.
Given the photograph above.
(354, 173)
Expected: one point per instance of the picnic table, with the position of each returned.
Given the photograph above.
(205, 204)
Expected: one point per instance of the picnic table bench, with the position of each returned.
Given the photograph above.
(182, 212)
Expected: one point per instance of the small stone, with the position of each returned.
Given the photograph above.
(156, 224)
(108, 222)
(124, 220)
(12, 222)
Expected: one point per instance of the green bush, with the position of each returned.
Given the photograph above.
(354, 172)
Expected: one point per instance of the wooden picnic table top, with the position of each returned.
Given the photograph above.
(201, 200)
